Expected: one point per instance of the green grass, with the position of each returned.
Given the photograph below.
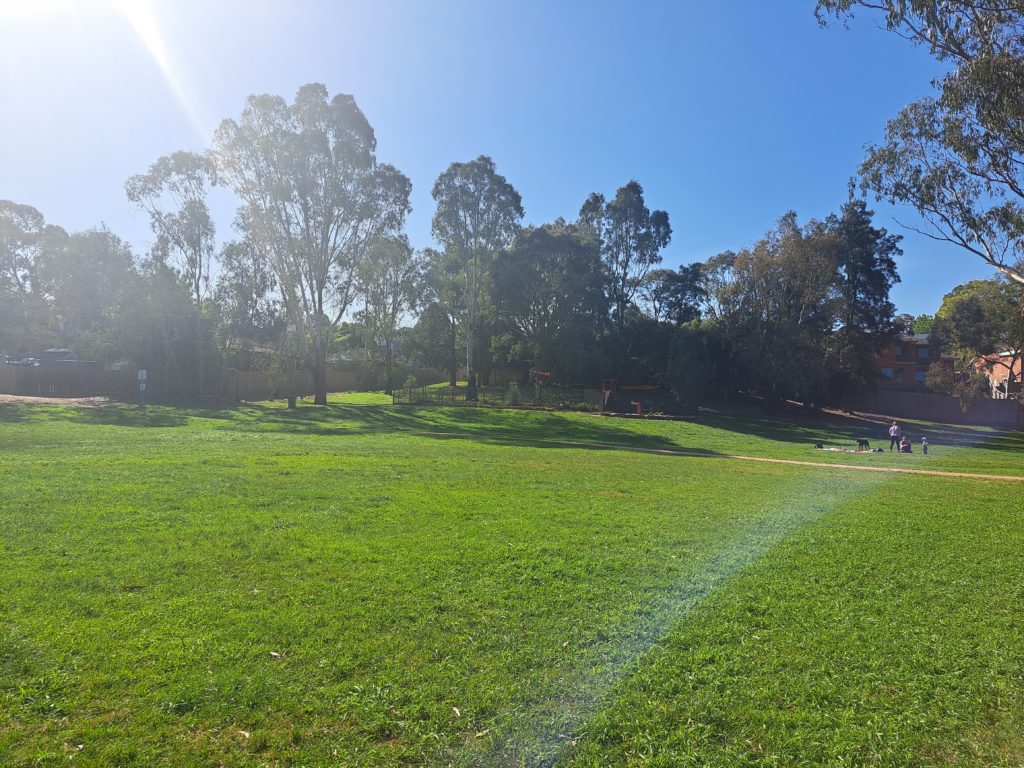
(369, 585)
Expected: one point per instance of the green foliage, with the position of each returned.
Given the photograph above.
(691, 365)
(957, 157)
(548, 287)
(27, 244)
(804, 312)
(314, 198)
(674, 295)
(631, 239)
(923, 324)
(390, 283)
(866, 272)
(776, 305)
(477, 215)
(246, 312)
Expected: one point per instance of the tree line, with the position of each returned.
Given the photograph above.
(319, 260)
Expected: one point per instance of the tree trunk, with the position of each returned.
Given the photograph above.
(319, 372)
(388, 389)
(199, 351)
(453, 365)
(470, 370)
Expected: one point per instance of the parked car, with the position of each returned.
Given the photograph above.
(29, 362)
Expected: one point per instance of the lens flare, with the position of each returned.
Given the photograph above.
(143, 20)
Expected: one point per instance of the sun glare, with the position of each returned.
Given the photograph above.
(49, 17)
(142, 18)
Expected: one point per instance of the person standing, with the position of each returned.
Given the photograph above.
(894, 436)
(924, 445)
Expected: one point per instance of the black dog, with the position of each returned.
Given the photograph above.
(863, 444)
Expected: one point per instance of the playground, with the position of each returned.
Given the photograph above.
(376, 585)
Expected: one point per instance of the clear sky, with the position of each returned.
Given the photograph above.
(728, 113)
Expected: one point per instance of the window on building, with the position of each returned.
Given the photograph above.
(919, 377)
(898, 378)
(887, 373)
(899, 349)
(922, 351)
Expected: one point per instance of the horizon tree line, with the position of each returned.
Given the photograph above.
(321, 260)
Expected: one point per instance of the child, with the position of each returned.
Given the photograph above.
(904, 446)
(924, 445)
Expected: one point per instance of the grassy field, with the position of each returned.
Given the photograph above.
(366, 585)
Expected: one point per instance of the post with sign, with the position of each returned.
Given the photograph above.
(142, 388)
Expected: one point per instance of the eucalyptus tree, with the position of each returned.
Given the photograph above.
(673, 296)
(174, 193)
(478, 213)
(776, 305)
(631, 239)
(86, 278)
(314, 198)
(958, 157)
(27, 243)
(390, 282)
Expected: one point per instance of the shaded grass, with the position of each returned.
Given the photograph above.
(258, 586)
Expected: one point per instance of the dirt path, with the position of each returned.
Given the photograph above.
(736, 457)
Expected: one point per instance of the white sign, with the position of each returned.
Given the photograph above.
(142, 386)
(142, 375)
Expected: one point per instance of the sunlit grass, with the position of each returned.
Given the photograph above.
(373, 585)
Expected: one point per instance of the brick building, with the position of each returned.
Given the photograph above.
(905, 364)
(998, 368)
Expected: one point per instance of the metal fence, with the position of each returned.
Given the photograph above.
(511, 394)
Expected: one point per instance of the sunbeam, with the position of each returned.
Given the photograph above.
(143, 20)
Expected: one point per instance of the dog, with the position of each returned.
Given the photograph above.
(863, 445)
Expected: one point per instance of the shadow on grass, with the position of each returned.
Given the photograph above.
(806, 428)
(542, 429)
(483, 425)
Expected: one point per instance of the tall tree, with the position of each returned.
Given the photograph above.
(866, 272)
(548, 288)
(26, 243)
(174, 192)
(86, 277)
(436, 334)
(478, 213)
(776, 305)
(958, 157)
(390, 280)
(631, 239)
(314, 198)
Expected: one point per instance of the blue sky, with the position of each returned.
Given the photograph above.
(728, 113)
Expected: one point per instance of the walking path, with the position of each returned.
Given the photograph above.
(699, 455)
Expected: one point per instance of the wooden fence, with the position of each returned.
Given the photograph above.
(67, 382)
(257, 385)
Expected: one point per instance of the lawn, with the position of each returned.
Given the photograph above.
(369, 585)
